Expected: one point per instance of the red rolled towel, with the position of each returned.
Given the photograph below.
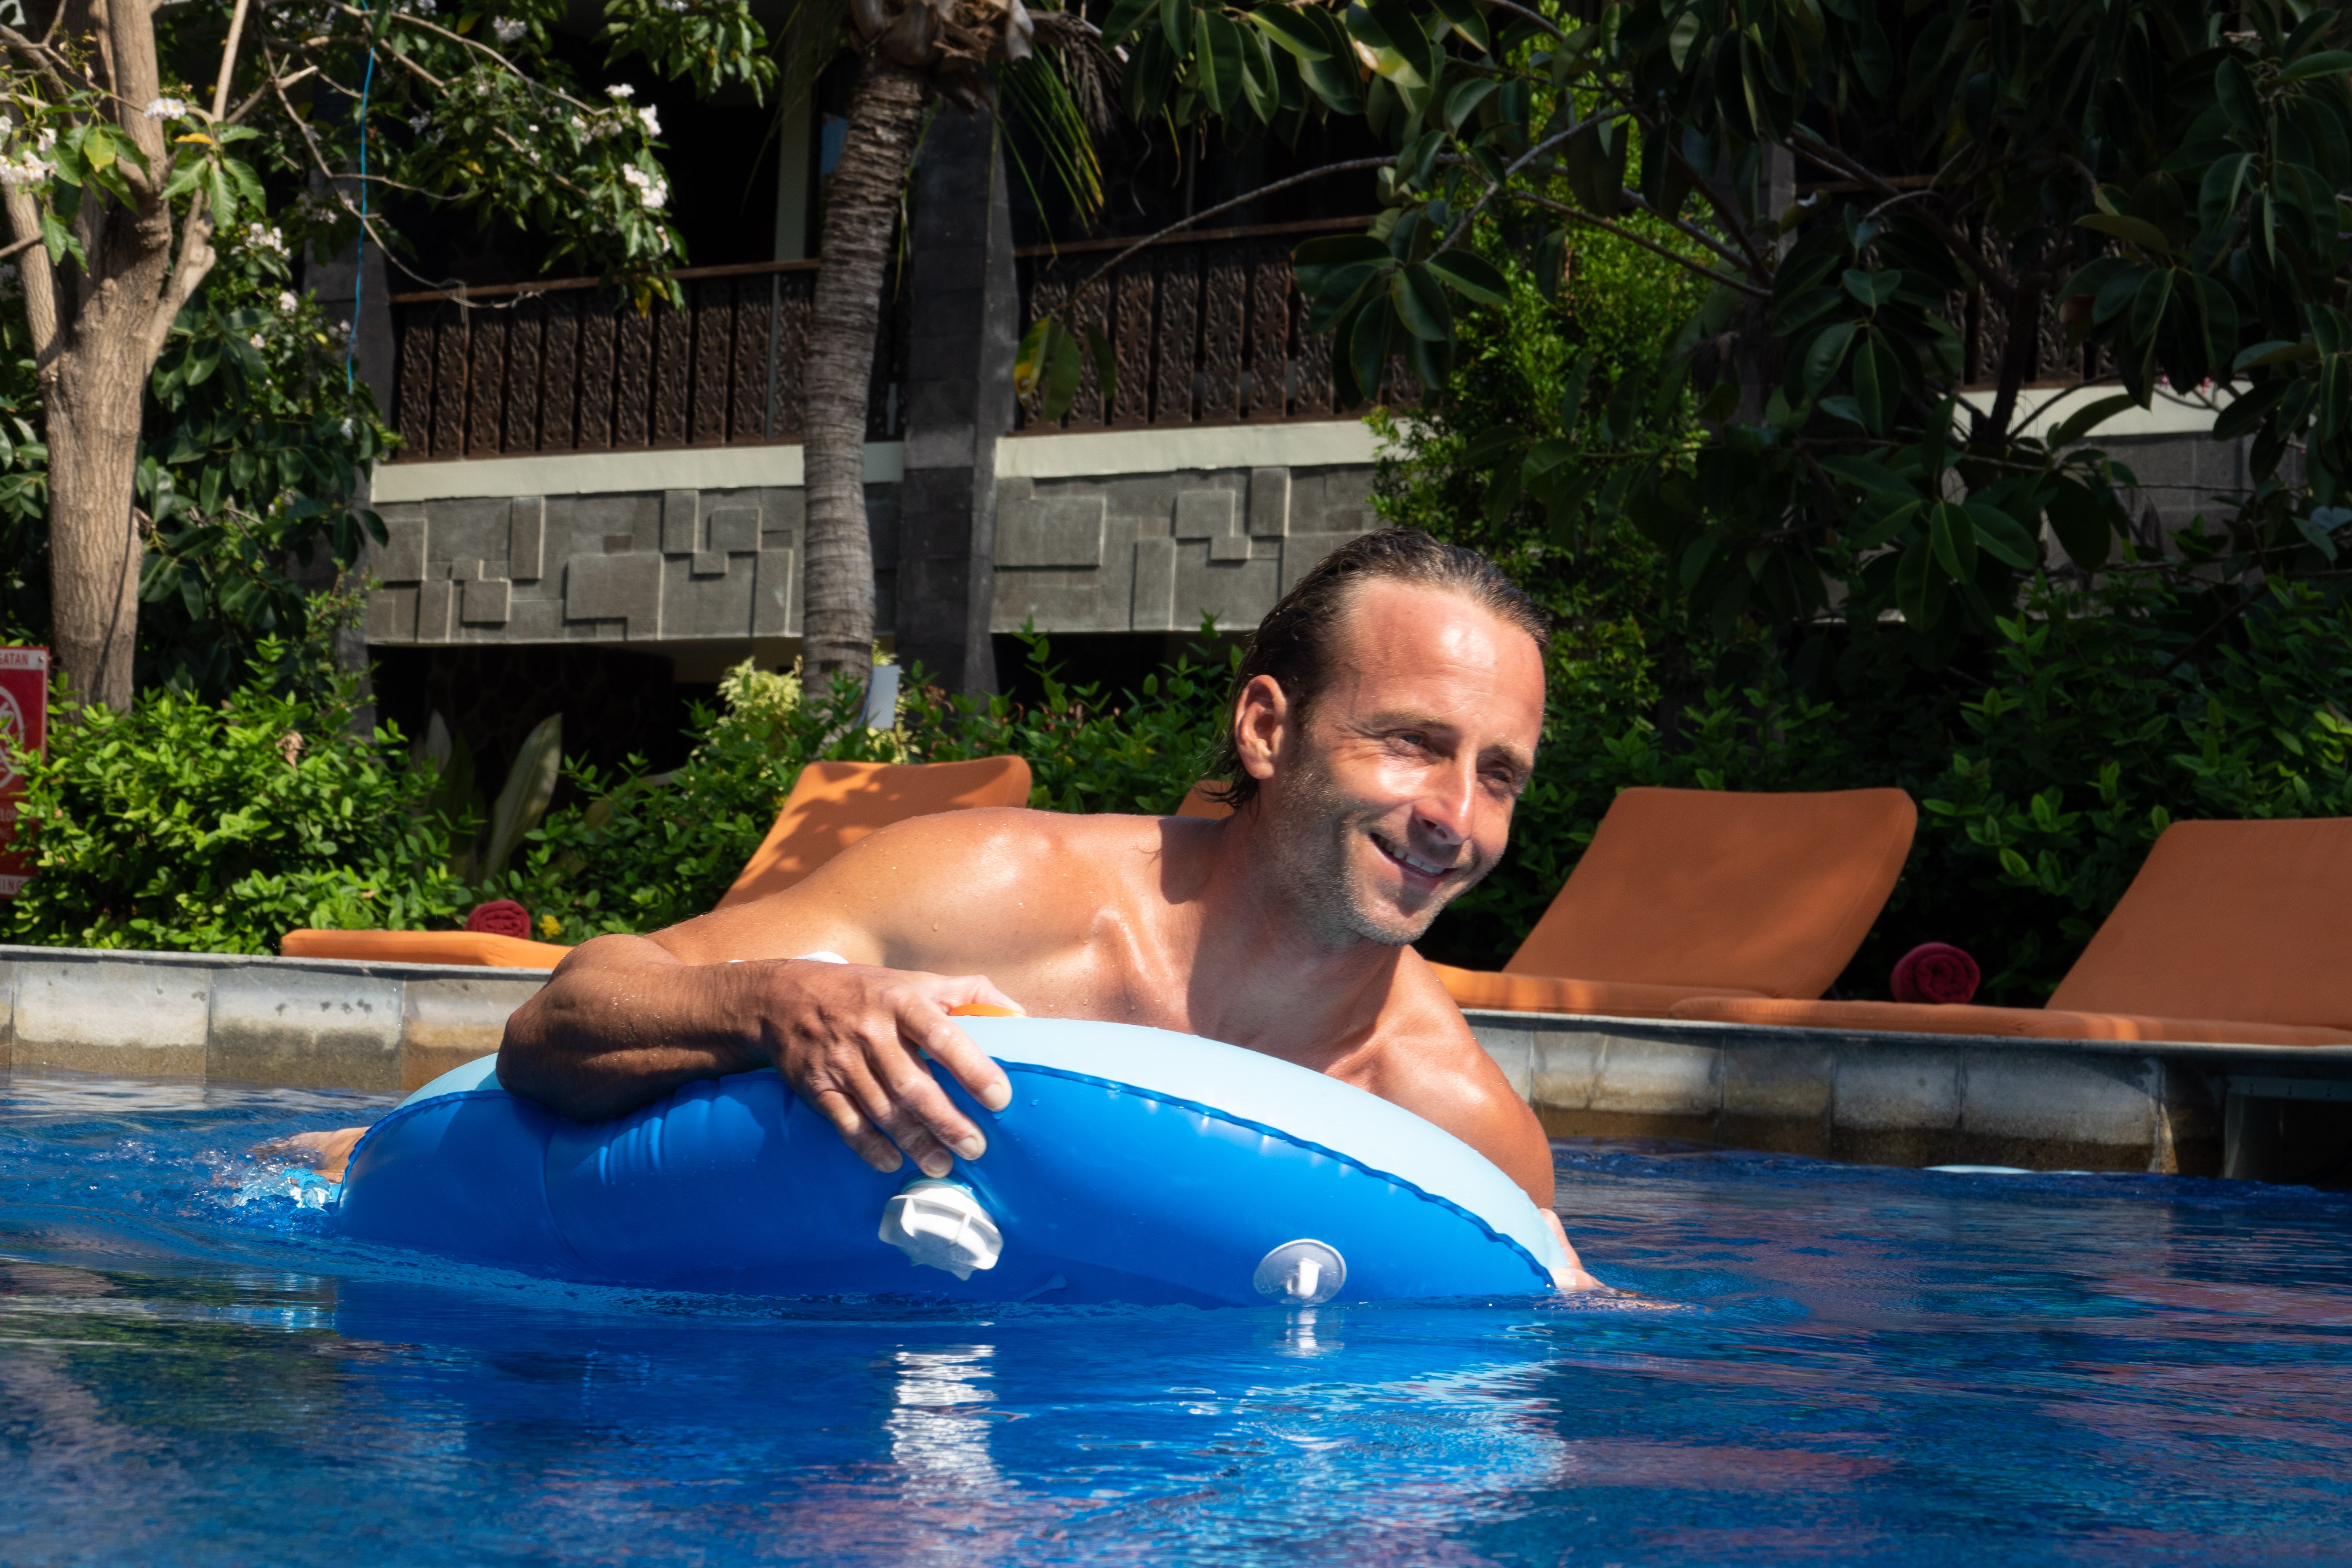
(504, 917)
(1936, 973)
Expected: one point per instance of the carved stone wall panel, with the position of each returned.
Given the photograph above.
(413, 388)
(1269, 333)
(1090, 309)
(713, 302)
(633, 379)
(1225, 319)
(1310, 359)
(486, 383)
(558, 395)
(747, 375)
(598, 330)
(1132, 336)
(526, 335)
(1178, 339)
(795, 293)
(673, 375)
(450, 382)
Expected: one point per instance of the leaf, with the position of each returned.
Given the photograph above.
(1955, 539)
(1317, 263)
(1872, 289)
(2328, 62)
(1473, 276)
(1919, 589)
(1368, 346)
(1420, 303)
(1261, 82)
(529, 786)
(1824, 355)
(1286, 26)
(2139, 231)
(1171, 26)
(2003, 537)
(2081, 523)
(1218, 53)
(2318, 527)
(1869, 475)
(1106, 358)
(1463, 101)
(2080, 423)
(1125, 17)
(1466, 20)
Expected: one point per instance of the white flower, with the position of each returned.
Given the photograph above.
(347, 429)
(261, 236)
(621, 89)
(286, 300)
(7, 128)
(652, 120)
(652, 193)
(256, 340)
(508, 31)
(47, 140)
(168, 108)
(26, 170)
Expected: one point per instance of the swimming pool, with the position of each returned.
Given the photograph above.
(1829, 1363)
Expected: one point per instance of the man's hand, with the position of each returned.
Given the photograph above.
(850, 1040)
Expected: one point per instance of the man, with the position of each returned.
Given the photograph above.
(1385, 722)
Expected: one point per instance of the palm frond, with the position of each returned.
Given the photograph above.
(1035, 92)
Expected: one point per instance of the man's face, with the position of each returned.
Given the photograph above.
(1395, 796)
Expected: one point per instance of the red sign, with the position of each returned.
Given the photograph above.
(24, 727)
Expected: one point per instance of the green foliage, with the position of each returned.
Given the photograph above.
(646, 851)
(2162, 172)
(189, 825)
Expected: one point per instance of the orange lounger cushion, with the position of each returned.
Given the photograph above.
(1508, 993)
(2228, 920)
(424, 947)
(835, 804)
(2018, 1023)
(1710, 892)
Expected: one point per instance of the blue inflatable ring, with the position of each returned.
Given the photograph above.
(1133, 1164)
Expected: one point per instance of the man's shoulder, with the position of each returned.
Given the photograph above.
(1019, 829)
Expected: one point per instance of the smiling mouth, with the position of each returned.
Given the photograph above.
(1413, 862)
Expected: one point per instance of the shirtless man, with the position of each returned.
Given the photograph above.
(1385, 722)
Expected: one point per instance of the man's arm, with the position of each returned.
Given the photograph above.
(627, 1019)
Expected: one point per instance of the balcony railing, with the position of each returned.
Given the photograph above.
(1210, 329)
(563, 366)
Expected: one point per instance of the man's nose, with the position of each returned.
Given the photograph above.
(1446, 802)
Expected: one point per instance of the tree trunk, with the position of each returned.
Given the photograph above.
(96, 336)
(861, 210)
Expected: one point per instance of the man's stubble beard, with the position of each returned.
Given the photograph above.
(1314, 835)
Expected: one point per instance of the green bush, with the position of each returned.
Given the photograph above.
(644, 852)
(205, 827)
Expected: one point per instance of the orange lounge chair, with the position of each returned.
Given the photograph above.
(831, 807)
(2232, 932)
(1705, 893)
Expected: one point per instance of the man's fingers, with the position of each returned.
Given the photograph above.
(918, 1096)
(953, 1049)
(856, 1131)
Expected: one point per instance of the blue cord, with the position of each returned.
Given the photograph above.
(359, 261)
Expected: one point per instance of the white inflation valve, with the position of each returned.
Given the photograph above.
(941, 1225)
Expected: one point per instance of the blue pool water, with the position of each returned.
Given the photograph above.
(1814, 1363)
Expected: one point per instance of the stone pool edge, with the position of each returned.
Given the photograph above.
(310, 1023)
(1878, 1098)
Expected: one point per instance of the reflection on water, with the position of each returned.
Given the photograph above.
(1827, 1363)
(938, 1434)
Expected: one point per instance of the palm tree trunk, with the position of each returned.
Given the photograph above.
(861, 210)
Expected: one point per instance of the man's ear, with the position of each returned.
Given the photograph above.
(1261, 724)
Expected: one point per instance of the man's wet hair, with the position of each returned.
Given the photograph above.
(1294, 643)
